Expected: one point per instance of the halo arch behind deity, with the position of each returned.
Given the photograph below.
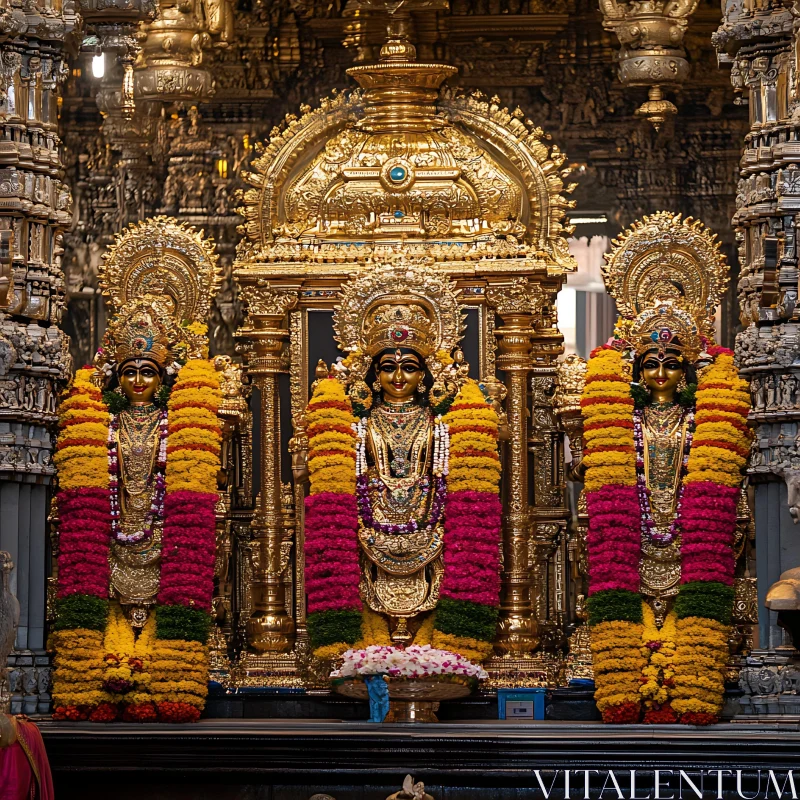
(405, 283)
(666, 266)
(167, 272)
(163, 258)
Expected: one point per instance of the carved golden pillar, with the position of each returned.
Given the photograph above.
(518, 631)
(270, 629)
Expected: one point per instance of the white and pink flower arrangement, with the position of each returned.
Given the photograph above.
(416, 661)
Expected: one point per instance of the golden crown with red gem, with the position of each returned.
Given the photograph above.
(400, 324)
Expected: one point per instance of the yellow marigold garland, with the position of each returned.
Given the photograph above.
(699, 681)
(78, 668)
(658, 647)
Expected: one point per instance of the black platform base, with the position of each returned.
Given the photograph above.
(560, 704)
(293, 760)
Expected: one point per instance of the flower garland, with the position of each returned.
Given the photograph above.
(614, 538)
(84, 531)
(183, 617)
(100, 673)
(331, 524)
(466, 483)
(78, 673)
(466, 616)
(705, 600)
(658, 677)
(627, 669)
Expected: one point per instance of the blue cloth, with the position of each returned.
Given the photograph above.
(378, 691)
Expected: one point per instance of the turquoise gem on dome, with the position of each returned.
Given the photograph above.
(397, 174)
(399, 214)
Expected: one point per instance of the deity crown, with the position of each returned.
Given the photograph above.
(399, 325)
(666, 326)
(139, 333)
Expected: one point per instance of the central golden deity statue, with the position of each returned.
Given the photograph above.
(392, 523)
(399, 476)
(402, 569)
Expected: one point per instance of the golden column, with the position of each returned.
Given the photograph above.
(270, 629)
(516, 304)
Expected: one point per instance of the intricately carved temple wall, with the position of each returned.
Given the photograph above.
(35, 210)
(759, 42)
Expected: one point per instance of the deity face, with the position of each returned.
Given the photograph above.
(662, 374)
(140, 379)
(400, 372)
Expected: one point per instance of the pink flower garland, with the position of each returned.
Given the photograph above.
(614, 538)
(708, 527)
(84, 531)
(471, 554)
(187, 556)
(332, 571)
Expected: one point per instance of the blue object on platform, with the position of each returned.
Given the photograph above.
(521, 703)
(378, 691)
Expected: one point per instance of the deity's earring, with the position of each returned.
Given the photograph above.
(681, 384)
(376, 385)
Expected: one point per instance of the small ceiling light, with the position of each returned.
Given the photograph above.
(588, 220)
(99, 65)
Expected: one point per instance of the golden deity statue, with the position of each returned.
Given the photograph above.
(398, 327)
(161, 279)
(666, 276)
(138, 431)
(402, 567)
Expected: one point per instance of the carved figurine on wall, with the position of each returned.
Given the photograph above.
(138, 457)
(403, 520)
(666, 438)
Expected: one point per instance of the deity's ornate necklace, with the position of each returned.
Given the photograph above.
(441, 462)
(132, 430)
(400, 426)
(665, 419)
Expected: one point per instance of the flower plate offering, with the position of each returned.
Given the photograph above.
(405, 685)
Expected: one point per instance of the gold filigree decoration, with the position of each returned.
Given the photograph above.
(458, 179)
(160, 278)
(667, 276)
(262, 301)
(521, 297)
(430, 298)
(162, 257)
(570, 381)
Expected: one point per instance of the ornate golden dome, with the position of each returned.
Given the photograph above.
(404, 163)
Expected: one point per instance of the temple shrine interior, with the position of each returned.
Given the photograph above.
(399, 399)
